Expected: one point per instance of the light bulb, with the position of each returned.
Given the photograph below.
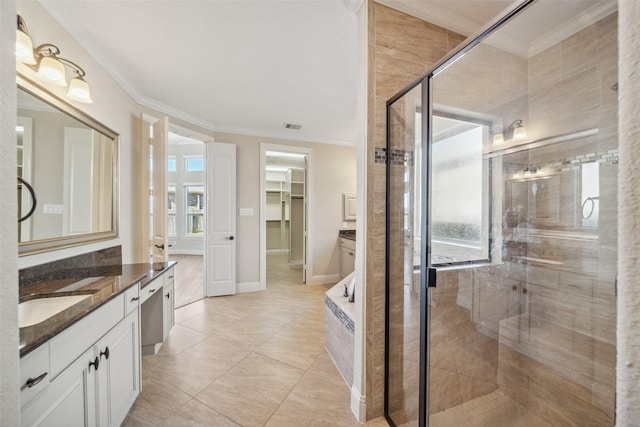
(79, 90)
(24, 48)
(520, 133)
(52, 71)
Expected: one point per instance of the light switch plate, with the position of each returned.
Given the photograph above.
(246, 211)
(53, 209)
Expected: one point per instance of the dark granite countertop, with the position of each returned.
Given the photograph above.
(110, 283)
(347, 234)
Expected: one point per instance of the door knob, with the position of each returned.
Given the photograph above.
(231, 238)
(160, 246)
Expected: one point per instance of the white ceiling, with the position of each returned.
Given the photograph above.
(242, 66)
(249, 66)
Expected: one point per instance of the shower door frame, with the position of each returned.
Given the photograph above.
(428, 272)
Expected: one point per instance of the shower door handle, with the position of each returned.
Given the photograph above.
(431, 277)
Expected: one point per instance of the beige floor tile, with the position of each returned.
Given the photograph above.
(252, 390)
(246, 334)
(190, 310)
(197, 367)
(323, 383)
(131, 421)
(147, 413)
(180, 339)
(195, 413)
(298, 410)
(162, 395)
(233, 361)
(189, 279)
(378, 422)
(299, 351)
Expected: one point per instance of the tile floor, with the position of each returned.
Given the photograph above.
(491, 410)
(189, 280)
(254, 359)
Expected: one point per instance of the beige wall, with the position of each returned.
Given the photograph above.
(9, 380)
(401, 48)
(335, 166)
(112, 106)
(334, 173)
(628, 336)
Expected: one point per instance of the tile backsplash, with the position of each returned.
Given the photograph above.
(80, 266)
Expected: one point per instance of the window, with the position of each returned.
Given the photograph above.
(171, 210)
(195, 209)
(171, 163)
(193, 163)
(459, 192)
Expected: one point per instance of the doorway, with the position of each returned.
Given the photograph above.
(285, 206)
(186, 185)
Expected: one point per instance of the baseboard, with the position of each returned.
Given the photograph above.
(358, 405)
(247, 287)
(277, 251)
(322, 280)
(186, 252)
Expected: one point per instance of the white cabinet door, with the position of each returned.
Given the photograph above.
(119, 371)
(69, 400)
(344, 261)
(347, 259)
(168, 301)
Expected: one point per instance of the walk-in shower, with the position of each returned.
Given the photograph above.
(502, 226)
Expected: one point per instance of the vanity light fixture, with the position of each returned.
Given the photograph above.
(515, 131)
(498, 137)
(519, 131)
(51, 67)
(24, 45)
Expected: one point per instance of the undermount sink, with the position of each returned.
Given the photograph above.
(38, 310)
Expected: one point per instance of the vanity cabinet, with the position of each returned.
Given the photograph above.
(168, 305)
(119, 371)
(347, 257)
(69, 400)
(95, 386)
(157, 312)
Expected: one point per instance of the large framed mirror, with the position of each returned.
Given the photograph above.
(68, 166)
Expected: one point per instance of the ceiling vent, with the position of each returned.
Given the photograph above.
(291, 126)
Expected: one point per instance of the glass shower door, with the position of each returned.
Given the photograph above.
(405, 299)
(524, 228)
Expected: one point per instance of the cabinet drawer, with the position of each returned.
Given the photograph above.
(70, 344)
(132, 299)
(348, 243)
(34, 374)
(168, 278)
(150, 289)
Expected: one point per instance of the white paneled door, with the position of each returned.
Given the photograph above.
(159, 242)
(221, 219)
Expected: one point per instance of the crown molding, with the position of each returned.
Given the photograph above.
(571, 27)
(353, 6)
(176, 113)
(436, 15)
(279, 135)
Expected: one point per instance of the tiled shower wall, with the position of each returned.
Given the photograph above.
(552, 326)
(401, 48)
